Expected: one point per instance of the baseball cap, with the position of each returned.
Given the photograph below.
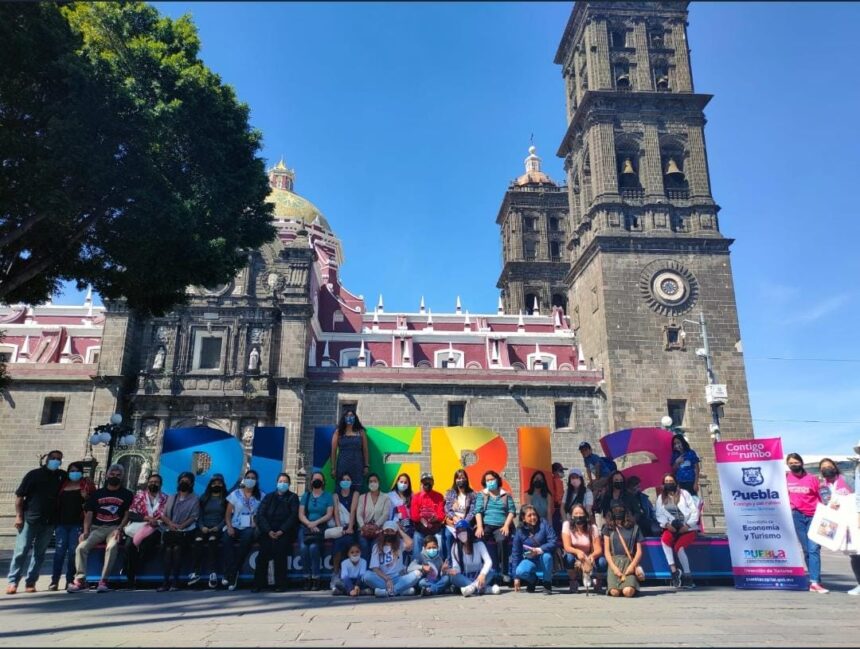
(575, 471)
(389, 525)
(557, 466)
(583, 445)
(426, 476)
(461, 525)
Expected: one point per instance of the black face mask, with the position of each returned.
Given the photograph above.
(317, 484)
(829, 473)
(618, 485)
(538, 483)
(153, 488)
(217, 490)
(461, 482)
(618, 517)
(113, 481)
(795, 468)
(671, 488)
(184, 487)
(580, 520)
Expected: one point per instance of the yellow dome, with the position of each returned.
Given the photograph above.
(292, 206)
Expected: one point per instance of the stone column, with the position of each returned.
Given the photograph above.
(604, 179)
(683, 76)
(651, 171)
(643, 65)
(697, 163)
(597, 54)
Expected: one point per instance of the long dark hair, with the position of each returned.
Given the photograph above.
(685, 445)
(572, 497)
(796, 456)
(406, 495)
(207, 493)
(341, 425)
(664, 494)
(381, 540)
(468, 544)
(586, 527)
(823, 460)
(544, 490)
(523, 511)
(467, 489)
(256, 490)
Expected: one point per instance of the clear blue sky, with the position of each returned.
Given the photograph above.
(405, 123)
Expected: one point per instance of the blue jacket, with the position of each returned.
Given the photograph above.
(543, 537)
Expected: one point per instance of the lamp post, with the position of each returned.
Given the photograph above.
(112, 434)
(715, 393)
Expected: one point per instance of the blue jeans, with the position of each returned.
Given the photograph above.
(461, 580)
(234, 557)
(311, 555)
(600, 564)
(402, 583)
(36, 537)
(527, 568)
(65, 542)
(418, 542)
(439, 586)
(811, 550)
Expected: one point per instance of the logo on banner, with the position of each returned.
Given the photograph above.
(752, 476)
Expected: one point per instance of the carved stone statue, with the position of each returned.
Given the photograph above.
(150, 430)
(273, 281)
(145, 471)
(158, 362)
(254, 360)
(248, 433)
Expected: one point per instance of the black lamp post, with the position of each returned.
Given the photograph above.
(112, 434)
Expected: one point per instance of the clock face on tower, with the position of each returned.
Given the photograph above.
(668, 287)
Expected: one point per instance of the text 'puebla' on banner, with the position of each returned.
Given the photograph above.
(763, 544)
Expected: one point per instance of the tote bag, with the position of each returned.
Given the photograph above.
(828, 528)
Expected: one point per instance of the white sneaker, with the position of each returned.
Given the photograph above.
(495, 590)
(469, 590)
(193, 578)
(855, 591)
(213, 580)
(380, 592)
(225, 582)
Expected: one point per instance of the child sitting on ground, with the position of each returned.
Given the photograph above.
(351, 572)
(433, 578)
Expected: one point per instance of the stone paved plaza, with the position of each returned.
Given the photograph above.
(708, 616)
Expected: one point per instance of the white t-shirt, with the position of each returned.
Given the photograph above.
(389, 564)
(352, 570)
(243, 509)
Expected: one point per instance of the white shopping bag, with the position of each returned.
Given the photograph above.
(828, 528)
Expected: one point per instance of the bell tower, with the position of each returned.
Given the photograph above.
(648, 259)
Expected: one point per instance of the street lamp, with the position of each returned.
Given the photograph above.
(112, 434)
(715, 393)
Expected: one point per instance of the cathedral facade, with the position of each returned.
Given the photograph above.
(599, 276)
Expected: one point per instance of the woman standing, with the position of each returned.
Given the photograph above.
(373, 509)
(277, 519)
(213, 506)
(180, 522)
(74, 492)
(685, 465)
(459, 506)
(538, 496)
(678, 515)
(831, 483)
(144, 533)
(316, 508)
(577, 494)
(583, 549)
(622, 544)
(804, 496)
(241, 526)
(349, 448)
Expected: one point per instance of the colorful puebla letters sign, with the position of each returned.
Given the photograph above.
(764, 548)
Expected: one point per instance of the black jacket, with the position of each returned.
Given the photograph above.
(278, 513)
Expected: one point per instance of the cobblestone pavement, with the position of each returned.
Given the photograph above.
(707, 616)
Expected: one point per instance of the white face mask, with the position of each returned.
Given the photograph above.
(463, 536)
(355, 559)
(373, 486)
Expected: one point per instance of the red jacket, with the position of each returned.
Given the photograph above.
(429, 505)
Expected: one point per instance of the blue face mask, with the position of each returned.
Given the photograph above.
(492, 484)
(53, 465)
(431, 552)
(402, 486)
(345, 484)
(283, 487)
(74, 476)
(250, 483)
(350, 420)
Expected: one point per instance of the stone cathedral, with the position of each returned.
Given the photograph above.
(603, 273)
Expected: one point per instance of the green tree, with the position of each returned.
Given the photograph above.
(125, 163)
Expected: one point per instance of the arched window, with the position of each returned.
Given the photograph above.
(560, 300)
(449, 358)
(547, 361)
(349, 357)
(621, 75)
(660, 72)
(530, 300)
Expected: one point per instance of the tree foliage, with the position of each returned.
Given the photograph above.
(125, 163)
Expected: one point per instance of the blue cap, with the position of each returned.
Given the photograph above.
(462, 525)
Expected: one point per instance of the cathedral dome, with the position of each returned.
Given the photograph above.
(533, 174)
(288, 204)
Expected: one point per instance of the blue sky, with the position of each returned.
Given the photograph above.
(405, 123)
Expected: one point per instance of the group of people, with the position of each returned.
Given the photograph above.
(470, 540)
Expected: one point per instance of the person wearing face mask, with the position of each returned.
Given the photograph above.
(533, 547)
(207, 538)
(494, 518)
(583, 549)
(241, 526)
(35, 518)
(685, 465)
(352, 572)
(678, 515)
(316, 508)
(349, 452)
(539, 497)
(373, 509)
(344, 519)
(388, 575)
(459, 506)
(74, 492)
(471, 566)
(277, 520)
(401, 502)
(622, 547)
(577, 494)
(804, 494)
(143, 533)
(433, 567)
(615, 495)
(831, 482)
(641, 508)
(179, 523)
(427, 512)
(105, 518)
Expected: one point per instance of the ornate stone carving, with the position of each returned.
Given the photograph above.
(668, 287)
(158, 361)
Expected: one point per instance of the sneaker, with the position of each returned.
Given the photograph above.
(365, 591)
(380, 592)
(468, 591)
(235, 583)
(11, 589)
(75, 587)
(103, 587)
(426, 591)
(335, 591)
(530, 588)
(213, 580)
(30, 588)
(677, 578)
(547, 588)
(224, 582)
(193, 578)
(54, 586)
(495, 590)
(687, 582)
(854, 591)
(572, 587)
(817, 588)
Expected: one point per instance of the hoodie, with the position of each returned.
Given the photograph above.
(423, 560)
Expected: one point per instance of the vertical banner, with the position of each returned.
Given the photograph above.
(764, 548)
(267, 455)
(535, 454)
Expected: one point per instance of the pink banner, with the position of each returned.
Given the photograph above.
(749, 450)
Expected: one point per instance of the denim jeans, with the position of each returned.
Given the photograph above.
(402, 583)
(811, 550)
(439, 586)
(311, 555)
(600, 565)
(234, 557)
(33, 536)
(460, 580)
(527, 568)
(418, 542)
(65, 542)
